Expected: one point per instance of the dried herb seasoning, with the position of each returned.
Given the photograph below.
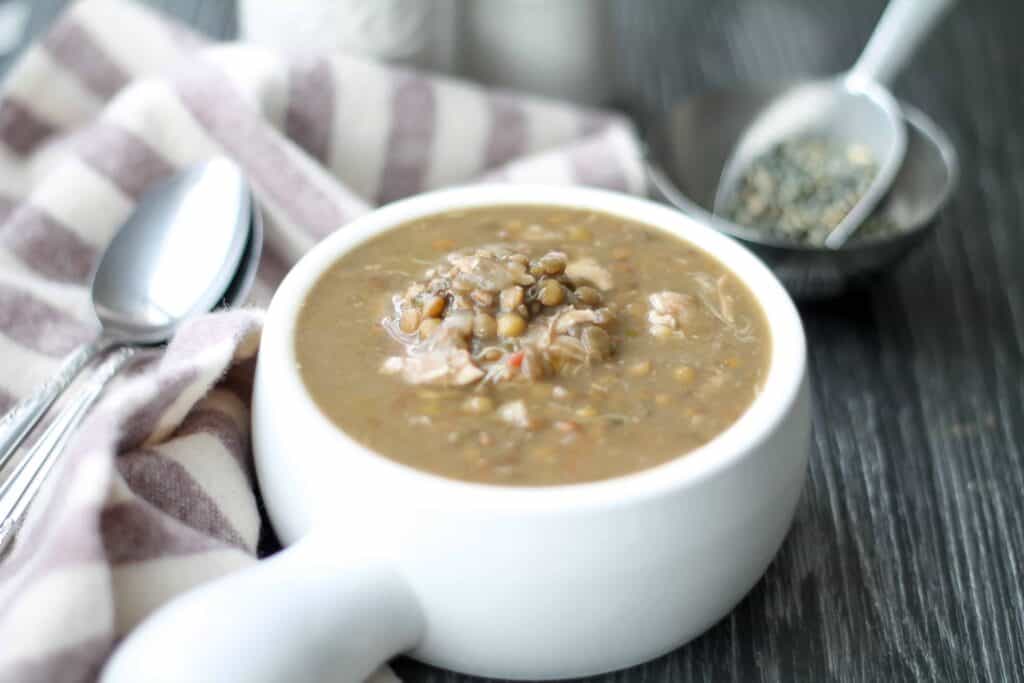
(801, 189)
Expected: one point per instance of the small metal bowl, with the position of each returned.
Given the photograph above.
(688, 148)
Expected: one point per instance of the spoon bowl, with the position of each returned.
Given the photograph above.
(852, 108)
(176, 254)
(846, 110)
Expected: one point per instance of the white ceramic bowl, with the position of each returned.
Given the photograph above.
(525, 583)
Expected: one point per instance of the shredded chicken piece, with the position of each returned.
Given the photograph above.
(537, 233)
(488, 273)
(489, 353)
(497, 372)
(567, 319)
(534, 365)
(724, 301)
(453, 367)
(670, 310)
(459, 322)
(709, 295)
(589, 270)
(569, 348)
(444, 338)
(392, 365)
(514, 413)
(570, 317)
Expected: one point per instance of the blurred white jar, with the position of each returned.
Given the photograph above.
(415, 32)
(558, 48)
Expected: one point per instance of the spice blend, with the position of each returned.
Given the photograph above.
(801, 189)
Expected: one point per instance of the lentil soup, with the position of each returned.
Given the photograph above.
(531, 345)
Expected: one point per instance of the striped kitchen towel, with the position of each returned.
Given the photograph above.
(155, 493)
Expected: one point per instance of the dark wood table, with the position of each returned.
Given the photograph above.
(905, 560)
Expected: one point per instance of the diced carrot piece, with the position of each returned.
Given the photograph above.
(516, 359)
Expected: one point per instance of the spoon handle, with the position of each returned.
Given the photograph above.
(19, 421)
(904, 24)
(21, 487)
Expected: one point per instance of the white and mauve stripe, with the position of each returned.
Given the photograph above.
(622, 140)
(49, 90)
(70, 499)
(259, 76)
(71, 44)
(55, 610)
(133, 38)
(550, 167)
(209, 366)
(248, 346)
(119, 492)
(282, 237)
(72, 299)
(88, 491)
(277, 168)
(152, 111)
(218, 473)
(411, 139)
(227, 403)
(309, 110)
(300, 239)
(204, 341)
(549, 124)
(45, 159)
(141, 587)
(94, 210)
(315, 175)
(36, 325)
(261, 293)
(23, 369)
(361, 125)
(15, 175)
(460, 134)
(272, 269)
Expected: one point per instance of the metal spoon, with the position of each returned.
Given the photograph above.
(19, 490)
(853, 107)
(173, 258)
(685, 175)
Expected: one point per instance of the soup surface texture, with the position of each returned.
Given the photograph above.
(531, 345)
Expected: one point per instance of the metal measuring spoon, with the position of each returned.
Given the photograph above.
(686, 177)
(173, 258)
(854, 108)
(19, 490)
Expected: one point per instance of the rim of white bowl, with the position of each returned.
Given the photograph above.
(776, 399)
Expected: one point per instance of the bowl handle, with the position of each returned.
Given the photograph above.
(299, 616)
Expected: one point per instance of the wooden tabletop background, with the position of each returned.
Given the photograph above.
(905, 559)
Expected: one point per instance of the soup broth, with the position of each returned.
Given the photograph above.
(531, 345)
